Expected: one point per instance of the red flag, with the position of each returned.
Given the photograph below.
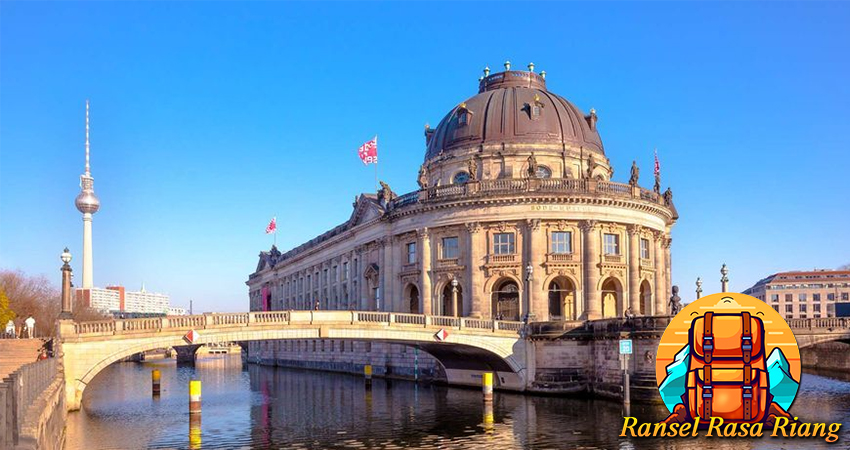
(272, 226)
(368, 152)
(657, 166)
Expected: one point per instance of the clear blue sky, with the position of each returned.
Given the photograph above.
(209, 118)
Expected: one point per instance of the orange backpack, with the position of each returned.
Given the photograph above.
(726, 369)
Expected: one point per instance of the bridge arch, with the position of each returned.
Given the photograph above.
(471, 347)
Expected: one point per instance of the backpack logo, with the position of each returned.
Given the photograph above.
(728, 356)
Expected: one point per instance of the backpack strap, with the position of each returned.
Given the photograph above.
(707, 337)
(707, 392)
(747, 349)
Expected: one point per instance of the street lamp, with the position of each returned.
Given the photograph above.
(454, 296)
(529, 270)
(66, 285)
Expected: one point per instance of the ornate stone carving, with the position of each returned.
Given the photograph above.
(633, 179)
(533, 224)
(423, 177)
(423, 232)
(532, 166)
(473, 227)
(561, 225)
(635, 228)
(668, 197)
(472, 168)
(385, 194)
(588, 225)
(675, 304)
(501, 226)
(591, 164)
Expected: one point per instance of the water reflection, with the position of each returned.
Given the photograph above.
(264, 407)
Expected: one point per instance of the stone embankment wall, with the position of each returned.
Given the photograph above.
(387, 360)
(32, 407)
(829, 356)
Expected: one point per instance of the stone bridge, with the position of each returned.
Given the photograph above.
(471, 346)
(811, 332)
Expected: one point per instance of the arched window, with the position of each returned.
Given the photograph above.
(505, 300)
(464, 115)
(543, 172)
(562, 305)
(460, 178)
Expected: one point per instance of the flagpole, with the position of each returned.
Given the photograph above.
(275, 231)
(376, 163)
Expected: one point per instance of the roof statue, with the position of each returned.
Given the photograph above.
(633, 180)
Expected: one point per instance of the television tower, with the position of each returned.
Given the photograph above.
(88, 204)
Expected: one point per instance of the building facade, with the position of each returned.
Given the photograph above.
(516, 215)
(116, 299)
(804, 294)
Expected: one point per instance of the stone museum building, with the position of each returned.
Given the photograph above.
(516, 214)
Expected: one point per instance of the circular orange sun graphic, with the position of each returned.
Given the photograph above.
(770, 331)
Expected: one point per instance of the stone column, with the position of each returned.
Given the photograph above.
(362, 282)
(386, 260)
(668, 264)
(477, 250)
(590, 266)
(536, 244)
(660, 282)
(634, 270)
(425, 270)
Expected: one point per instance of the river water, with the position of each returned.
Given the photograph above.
(254, 406)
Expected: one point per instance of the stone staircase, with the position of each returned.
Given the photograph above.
(14, 353)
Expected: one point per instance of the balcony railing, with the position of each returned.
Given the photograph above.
(447, 262)
(502, 258)
(617, 259)
(560, 257)
(565, 186)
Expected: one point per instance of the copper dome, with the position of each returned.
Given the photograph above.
(513, 107)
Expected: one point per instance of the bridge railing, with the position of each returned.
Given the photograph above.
(265, 318)
(824, 322)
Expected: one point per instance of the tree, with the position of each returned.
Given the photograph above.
(6, 313)
(31, 296)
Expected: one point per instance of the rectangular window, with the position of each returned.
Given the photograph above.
(774, 298)
(450, 249)
(845, 296)
(803, 308)
(789, 297)
(816, 307)
(612, 244)
(644, 248)
(802, 297)
(830, 297)
(503, 243)
(411, 253)
(789, 308)
(815, 297)
(345, 270)
(333, 274)
(562, 242)
(776, 307)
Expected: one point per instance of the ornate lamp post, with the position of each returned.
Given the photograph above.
(454, 297)
(699, 288)
(724, 280)
(529, 270)
(67, 306)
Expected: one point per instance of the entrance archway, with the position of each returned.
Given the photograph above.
(505, 300)
(446, 302)
(612, 293)
(562, 303)
(412, 296)
(645, 298)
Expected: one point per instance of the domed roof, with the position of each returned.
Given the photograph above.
(513, 107)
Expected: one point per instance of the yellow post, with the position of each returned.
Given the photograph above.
(194, 431)
(367, 372)
(195, 397)
(155, 379)
(487, 386)
(488, 417)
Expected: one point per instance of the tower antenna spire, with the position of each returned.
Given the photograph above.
(88, 169)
